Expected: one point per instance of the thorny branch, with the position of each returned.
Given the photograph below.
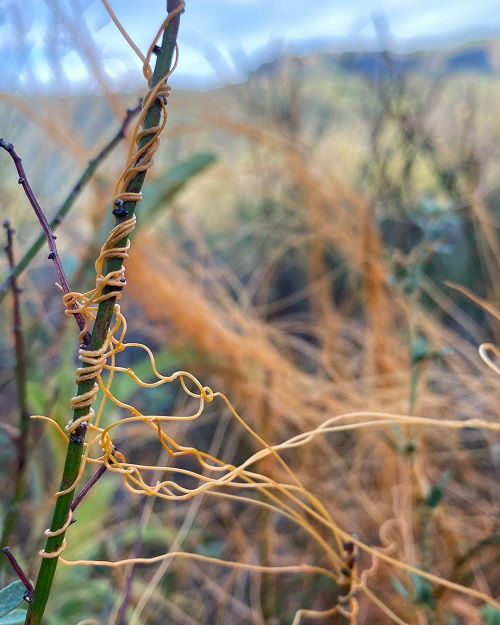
(49, 235)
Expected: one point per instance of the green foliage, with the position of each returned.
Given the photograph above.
(15, 617)
(421, 350)
(91, 515)
(437, 490)
(399, 588)
(422, 590)
(124, 387)
(38, 396)
(11, 596)
(420, 593)
(491, 615)
(157, 194)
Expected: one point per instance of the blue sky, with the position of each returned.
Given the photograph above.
(219, 38)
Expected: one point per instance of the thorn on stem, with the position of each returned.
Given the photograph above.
(78, 434)
(119, 211)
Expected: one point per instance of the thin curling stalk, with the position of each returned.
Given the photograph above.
(99, 333)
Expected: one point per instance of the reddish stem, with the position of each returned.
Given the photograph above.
(20, 573)
(49, 235)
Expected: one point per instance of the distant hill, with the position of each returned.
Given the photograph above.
(479, 58)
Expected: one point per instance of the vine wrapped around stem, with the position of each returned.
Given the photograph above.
(152, 123)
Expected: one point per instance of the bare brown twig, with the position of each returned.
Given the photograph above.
(49, 235)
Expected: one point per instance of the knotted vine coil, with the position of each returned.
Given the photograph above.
(110, 285)
(288, 497)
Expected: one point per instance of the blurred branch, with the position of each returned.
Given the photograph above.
(63, 210)
(144, 513)
(24, 417)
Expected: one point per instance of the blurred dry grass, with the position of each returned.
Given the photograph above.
(301, 276)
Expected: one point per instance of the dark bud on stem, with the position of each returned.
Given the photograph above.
(156, 49)
(119, 211)
(78, 435)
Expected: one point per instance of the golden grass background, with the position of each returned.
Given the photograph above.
(290, 274)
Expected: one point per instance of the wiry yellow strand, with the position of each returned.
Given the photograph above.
(288, 498)
(85, 304)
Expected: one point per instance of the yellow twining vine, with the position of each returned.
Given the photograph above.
(213, 476)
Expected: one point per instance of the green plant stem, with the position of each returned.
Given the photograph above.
(63, 210)
(24, 417)
(99, 333)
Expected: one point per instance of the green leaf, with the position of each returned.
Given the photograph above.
(16, 617)
(491, 615)
(38, 397)
(437, 490)
(162, 191)
(90, 516)
(422, 589)
(399, 588)
(11, 596)
(419, 350)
